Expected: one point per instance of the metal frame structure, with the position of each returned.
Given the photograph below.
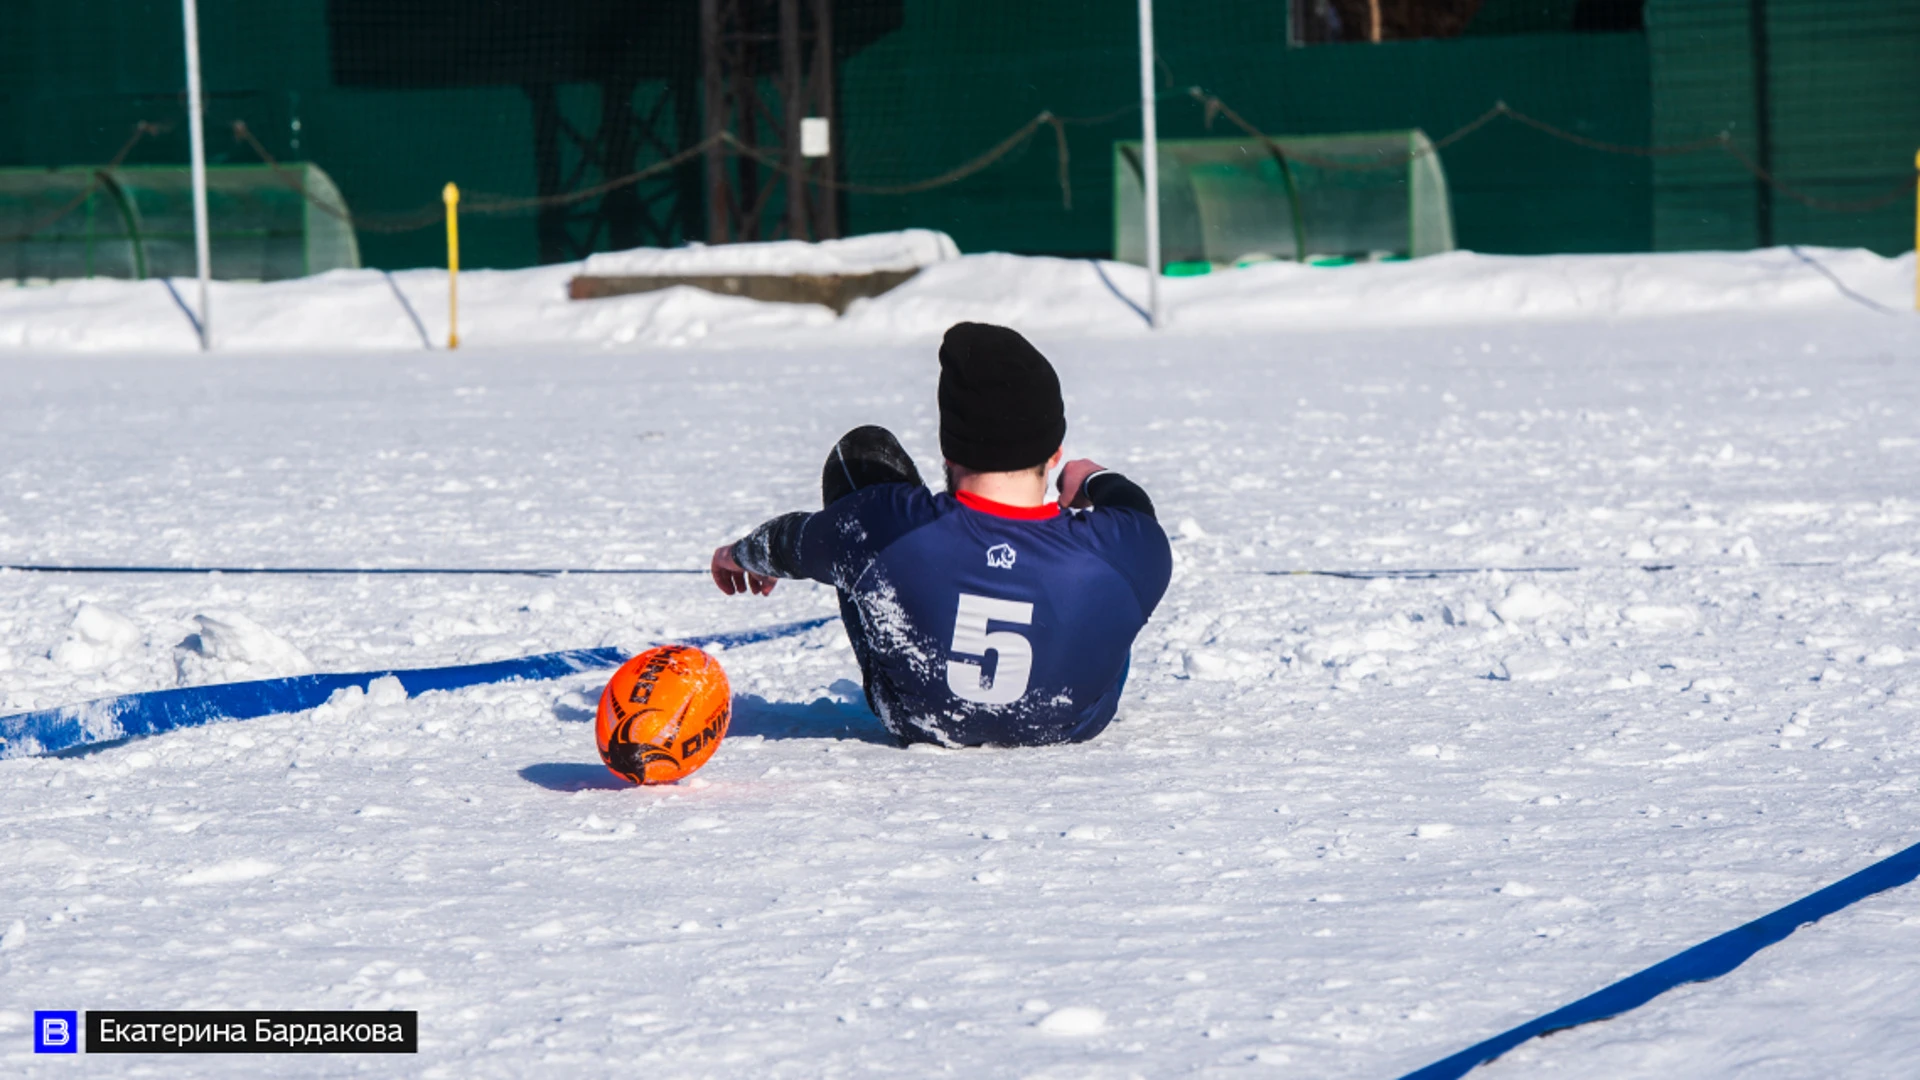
(662, 211)
(1150, 158)
(768, 64)
(197, 135)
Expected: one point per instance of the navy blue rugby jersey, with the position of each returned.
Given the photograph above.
(985, 623)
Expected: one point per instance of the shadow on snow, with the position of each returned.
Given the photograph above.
(822, 718)
(572, 776)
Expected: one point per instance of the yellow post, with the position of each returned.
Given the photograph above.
(451, 196)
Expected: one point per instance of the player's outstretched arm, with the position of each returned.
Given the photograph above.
(757, 560)
(734, 578)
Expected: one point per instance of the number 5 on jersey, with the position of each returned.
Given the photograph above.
(972, 638)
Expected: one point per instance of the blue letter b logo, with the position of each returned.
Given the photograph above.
(56, 1032)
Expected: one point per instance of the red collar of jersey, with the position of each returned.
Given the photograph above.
(1043, 512)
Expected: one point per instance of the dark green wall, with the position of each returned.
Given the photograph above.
(957, 79)
(961, 74)
(83, 72)
(1844, 89)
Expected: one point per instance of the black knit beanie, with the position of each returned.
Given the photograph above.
(1000, 407)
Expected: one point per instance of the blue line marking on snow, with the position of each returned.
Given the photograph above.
(425, 342)
(737, 638)
(132, 716)
(1419, 573)
(1115, 290)
(1707, 960)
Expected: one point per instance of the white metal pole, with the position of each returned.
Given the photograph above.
(1150, 160)
(197, 137)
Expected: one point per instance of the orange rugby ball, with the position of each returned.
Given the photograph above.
(663, 714)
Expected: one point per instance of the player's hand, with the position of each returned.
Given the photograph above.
(1073, 483)
(734, 578)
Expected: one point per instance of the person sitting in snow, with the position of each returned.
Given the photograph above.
(988, 615)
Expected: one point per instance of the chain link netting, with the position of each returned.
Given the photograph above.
(581, 120)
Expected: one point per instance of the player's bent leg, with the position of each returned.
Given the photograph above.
(863, 457)
(857, 637)
(863, 655)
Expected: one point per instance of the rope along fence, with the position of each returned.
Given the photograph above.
(484, 203)
(141, 130)
(1723, 142)
(1212, 105)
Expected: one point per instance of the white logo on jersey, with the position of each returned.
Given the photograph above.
(1000, 557)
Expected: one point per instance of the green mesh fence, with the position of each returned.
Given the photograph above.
(1823, 95)
(534, 99)
(1326, 199)
(137, 222)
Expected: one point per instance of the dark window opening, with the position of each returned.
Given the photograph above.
(1319, 22)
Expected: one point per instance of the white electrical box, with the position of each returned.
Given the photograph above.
(816, 138)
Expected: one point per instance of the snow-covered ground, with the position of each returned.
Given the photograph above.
(1341, 828)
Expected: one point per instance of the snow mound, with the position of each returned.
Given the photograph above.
(98, 636)
(230, 646)
(1073, 1020)
(1035, 294)
(909, 249)
(498, 308)
(1464, 286)
(227, 872)
(1658, 616)
(1230, 665)
(1044, 296)
(1047, 295)
(1526, 602)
